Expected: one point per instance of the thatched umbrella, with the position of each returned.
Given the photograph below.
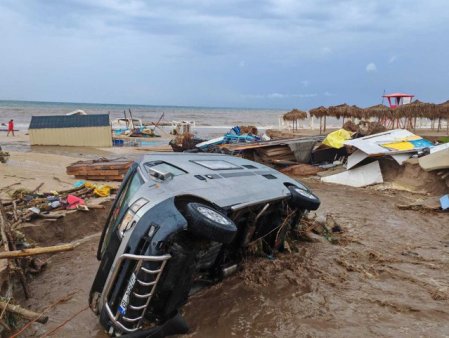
(442, 110)
(346, 111)
(357, 112)
(382, 112)
(295, 115)
(411, 111)
(320, 112)
(342, 110)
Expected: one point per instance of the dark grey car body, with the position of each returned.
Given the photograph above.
(149, 252)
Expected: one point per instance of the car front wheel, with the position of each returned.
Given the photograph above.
(209, 223)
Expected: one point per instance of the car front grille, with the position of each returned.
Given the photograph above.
(136, 296)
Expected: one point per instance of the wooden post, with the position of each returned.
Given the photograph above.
(321, 118)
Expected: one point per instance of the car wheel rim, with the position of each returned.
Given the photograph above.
(213, 215)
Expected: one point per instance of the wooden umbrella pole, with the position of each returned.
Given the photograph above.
(321, 118)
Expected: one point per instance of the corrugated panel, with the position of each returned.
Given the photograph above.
(82, 137)
(69, 121)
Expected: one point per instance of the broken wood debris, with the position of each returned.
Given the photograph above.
(99, 170)
(37, 251)
(25, 313)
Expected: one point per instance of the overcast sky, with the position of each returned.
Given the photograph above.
(248, 53)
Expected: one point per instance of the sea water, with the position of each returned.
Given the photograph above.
(212, 117)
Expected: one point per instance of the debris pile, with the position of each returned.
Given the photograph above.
(18, 259)
(237, 134)
(4, 156)
(102, 169)
(368, 156)
(184, 142)
(282, 152)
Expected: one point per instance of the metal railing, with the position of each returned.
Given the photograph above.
(120, 321)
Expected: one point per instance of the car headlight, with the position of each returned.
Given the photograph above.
(127, 223)
(135, 207)
(305, 193)
(302, 186)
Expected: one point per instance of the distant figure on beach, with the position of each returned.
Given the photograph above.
(10, 127)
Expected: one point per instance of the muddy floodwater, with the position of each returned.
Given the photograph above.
(387, 276)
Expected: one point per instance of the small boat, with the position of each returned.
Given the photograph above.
(77, 112)
(132, 127)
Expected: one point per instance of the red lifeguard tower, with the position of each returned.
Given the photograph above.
(398, 99)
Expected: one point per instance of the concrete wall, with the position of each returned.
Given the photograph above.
(82, 137)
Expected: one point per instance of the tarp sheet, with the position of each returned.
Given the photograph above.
(337, 138)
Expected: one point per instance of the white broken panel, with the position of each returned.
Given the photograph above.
(359, 177)
(401, 158)
(355, 158)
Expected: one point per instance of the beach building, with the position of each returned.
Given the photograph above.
(71, 130)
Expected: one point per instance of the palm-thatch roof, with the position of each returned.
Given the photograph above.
(318, 111)
(378, 110)
(345, 110)
(443, 109)
(340, 110)
(356, 112)
(416, 109)
(294, 115)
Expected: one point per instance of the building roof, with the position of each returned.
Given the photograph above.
(398, 95)
(69, 121)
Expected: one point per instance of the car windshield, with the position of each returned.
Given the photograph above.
(122, 206)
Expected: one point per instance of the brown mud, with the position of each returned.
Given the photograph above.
(386, 277)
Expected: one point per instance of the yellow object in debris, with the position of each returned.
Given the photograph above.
(337, 138)
(99, 190)
(399, 146)
(103, 191)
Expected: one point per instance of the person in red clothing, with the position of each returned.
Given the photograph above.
(10, 127)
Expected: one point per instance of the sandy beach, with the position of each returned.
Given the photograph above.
(29, 166)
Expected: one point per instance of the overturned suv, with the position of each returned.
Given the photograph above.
(182, 221)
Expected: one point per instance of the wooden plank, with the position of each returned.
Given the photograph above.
(96, 172)
(36, 251)
(101, 178)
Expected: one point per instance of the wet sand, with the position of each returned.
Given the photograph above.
(387, 277)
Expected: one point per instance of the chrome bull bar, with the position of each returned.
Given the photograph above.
(120, 321)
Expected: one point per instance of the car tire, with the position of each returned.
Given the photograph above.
(303, 199)
(209, 223)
